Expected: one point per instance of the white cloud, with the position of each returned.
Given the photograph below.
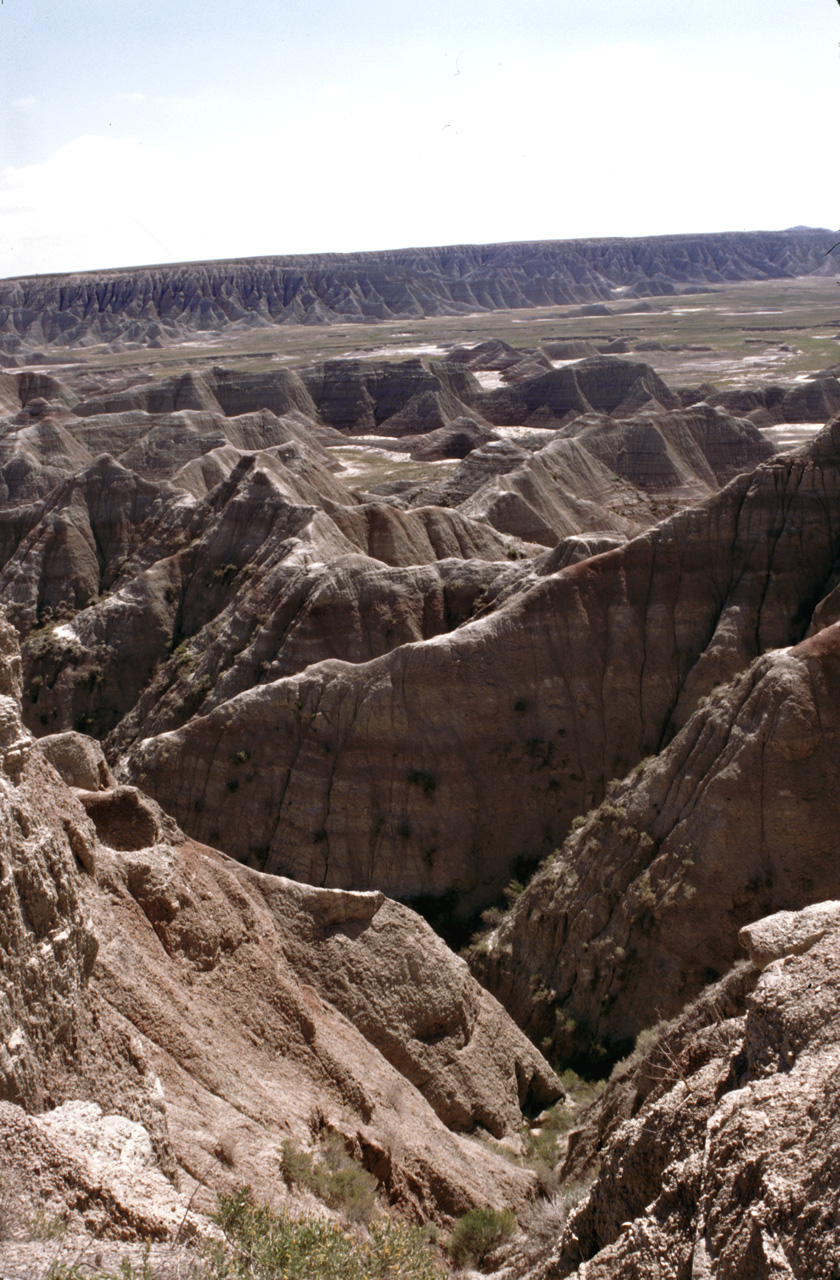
(623, 140)
(25, 103)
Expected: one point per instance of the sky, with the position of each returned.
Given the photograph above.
(151, 131)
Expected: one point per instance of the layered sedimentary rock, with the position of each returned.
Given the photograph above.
(361, 396)
(210, 1012)
(230, 556)
(812, 399)
(153, 304)
(696, 449)
(433, 410)
(55, 1041)
(150, 570)
(735, 819)
(604, 384)
(518, 719)
(199, 957)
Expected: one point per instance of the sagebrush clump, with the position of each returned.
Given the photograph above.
(273, 1246)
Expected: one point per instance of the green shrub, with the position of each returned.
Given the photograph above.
(184, 655)
(225, 574)
(512, 891)
(273, 1246)
(479, 1231)
(333, 1176)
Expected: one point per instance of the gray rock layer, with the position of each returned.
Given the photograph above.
(439, 765)
(154, 302)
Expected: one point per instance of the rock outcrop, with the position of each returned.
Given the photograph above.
(364, 397)
(209, 1012)
(604, 384)
(735, 819)
(97, 1174)
(520, 717)
(683, 452)
(718, 1144)
(813, 399)
(198, 957)
(150, 570)
(153, 304)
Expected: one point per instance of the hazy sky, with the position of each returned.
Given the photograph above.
(136, 131)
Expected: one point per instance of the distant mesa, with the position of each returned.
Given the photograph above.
(153, 305)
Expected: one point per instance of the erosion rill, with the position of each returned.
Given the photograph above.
(533, 639)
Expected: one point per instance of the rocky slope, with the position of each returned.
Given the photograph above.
(718, 1143)
(562, 687)
(736, 818)
(254, 575)
(218, 1012)
(217, 581)
(153, 304)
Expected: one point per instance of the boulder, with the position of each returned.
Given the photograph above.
(78, 759)
(788, 933)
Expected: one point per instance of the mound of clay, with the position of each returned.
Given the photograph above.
(569, 349)
(813, 400)
(455, 440)
(692, 450)
(365, 397)
(602, 383)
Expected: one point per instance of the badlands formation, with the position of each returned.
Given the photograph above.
(311, 664)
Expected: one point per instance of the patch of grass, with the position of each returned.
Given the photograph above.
(273, 1246)
(43, 1227)
(333, 1176)
(477, 1233)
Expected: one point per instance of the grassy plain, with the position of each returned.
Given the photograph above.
(746, 326)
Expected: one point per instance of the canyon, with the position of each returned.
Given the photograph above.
(515, 626)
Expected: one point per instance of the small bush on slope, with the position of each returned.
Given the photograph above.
(478, 1232)
(262, 1245)
(333, 1176)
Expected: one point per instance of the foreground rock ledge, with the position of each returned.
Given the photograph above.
(224, 1010)
(719, 1146)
